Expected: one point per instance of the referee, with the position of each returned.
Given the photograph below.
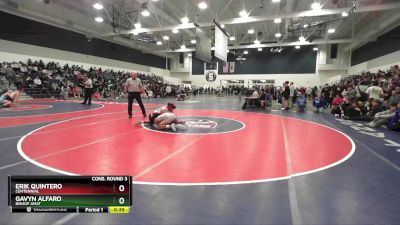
(134, 88)
(88, 83)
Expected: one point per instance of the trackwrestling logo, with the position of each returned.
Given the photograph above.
(201, 123)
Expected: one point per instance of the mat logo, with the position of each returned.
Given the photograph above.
(201, 123)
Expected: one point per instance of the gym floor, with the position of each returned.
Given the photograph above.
(241, 167)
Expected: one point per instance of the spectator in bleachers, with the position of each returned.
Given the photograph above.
(374, 108)
(255, 94)
(350, 94)
(10, 73)
(51, 79)
(394, 96)
(4, 83)
(375, 92)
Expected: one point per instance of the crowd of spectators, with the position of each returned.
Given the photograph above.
(372, 97)
(55, 80)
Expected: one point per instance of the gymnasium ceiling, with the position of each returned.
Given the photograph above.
(370, 19)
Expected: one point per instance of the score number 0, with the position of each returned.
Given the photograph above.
(121, 200)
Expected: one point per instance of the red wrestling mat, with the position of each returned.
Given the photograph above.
(108, 108)
(268, 147)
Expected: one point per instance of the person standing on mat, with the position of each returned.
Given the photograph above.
(134, 88)
(88, 83)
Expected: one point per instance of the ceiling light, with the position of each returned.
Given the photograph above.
(159, 43)
(202, 5)
(259, 49)
(227, 51)
(97, 6)
(277, 20)
(166, 38)
(183, 47)
(175, 31)
(316, 6)
(193, 41)
(251, 31)
(331, 31)
(222, 26)
(305, 25)
(99, 19)
(345, 14)
(243, 13)
(297, 47)
(315, 49)
(190, 54)
(257, 42)
(246, 52)
(185, 20)
(137, 25)
(278, 35)
(155, 0)
(232, 38)
(275, 1)
(302, 39)
(145, 13)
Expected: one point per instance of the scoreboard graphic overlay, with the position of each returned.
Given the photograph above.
(70, 194)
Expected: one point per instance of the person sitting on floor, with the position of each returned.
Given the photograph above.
(356, 111)
(318, 104)
(337, 101)
(267, 101)
(261, 99)
(182, 95)
(382, 118)
(374, 108)
(301, 102)
(341, 110)
(394, 122)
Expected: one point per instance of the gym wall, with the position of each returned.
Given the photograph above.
(289, 61)
(379, 54)
(21, 30)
